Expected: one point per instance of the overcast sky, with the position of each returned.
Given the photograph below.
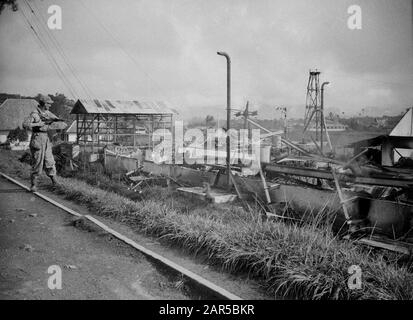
(166, 50)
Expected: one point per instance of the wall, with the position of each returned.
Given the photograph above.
(119, 164)
(71, 137)
(3, 136)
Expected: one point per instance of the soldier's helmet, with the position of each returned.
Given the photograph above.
(43, 98)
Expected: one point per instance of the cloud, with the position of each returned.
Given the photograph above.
(163, 49)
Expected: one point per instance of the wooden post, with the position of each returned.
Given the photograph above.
(265, 186)
(341, 197)
(134, 131)
(151, 133)
(77, 128)
(93, 133)
(116, 128)
(387, 155)
(98, 129)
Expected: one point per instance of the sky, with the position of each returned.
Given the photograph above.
(166, 50)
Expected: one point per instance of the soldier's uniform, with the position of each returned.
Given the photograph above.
(40, 144)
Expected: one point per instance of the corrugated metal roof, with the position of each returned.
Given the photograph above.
(83, 106)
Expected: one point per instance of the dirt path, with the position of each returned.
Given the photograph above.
(35, 235)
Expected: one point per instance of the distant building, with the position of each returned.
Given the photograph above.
(404, 128)
(331, 126)
(398, 144)
(12, 114)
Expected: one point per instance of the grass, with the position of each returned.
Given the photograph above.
(291, 261)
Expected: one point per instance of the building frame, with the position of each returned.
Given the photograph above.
(101, 123)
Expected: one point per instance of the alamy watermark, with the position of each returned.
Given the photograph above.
(354, 281)
(55, 20)
(195, 146)
(55, 280)
(354, 21)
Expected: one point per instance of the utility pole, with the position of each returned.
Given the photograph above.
(228, 116)
(247, 125)
(284, 113)
(322, 114)
(246, 114)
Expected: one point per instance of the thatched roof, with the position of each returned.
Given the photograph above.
(14, 111)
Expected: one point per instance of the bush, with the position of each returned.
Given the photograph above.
(17, 134)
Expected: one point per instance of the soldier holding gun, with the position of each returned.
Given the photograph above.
(40, 122)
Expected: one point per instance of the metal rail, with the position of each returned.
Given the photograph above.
(165, 261)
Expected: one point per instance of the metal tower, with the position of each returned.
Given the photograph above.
(313, 118)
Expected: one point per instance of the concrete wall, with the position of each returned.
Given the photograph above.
(185, 175)
(119, 164)
(71, 137)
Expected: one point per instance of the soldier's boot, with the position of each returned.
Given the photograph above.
(33, 187)
(54, 180)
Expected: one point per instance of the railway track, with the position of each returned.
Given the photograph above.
(200, 282)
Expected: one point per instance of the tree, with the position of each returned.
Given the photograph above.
(62, 106)
(209, 120)
(8, 3)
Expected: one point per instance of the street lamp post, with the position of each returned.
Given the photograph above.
(228, 114)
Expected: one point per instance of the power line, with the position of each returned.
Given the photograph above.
(44, 48)
(66, 60)
(112, 36)
(45, 51)
(59, 49)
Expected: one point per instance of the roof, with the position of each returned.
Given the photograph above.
(335, 123)
(405, 126)
(72, 128)
(14, 111)
(96, 106)
(370, 142)
(395, 141)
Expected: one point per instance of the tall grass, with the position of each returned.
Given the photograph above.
(288, 260)
(291, 261)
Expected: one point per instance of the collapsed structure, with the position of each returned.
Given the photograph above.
(370, 198)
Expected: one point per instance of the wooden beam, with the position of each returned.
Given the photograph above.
(384, 245)
(341, 197)
(322, 174)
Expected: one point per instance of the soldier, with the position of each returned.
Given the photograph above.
(40, 122)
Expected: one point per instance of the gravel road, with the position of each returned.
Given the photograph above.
(35, 235)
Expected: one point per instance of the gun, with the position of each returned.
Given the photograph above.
(50, 120)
